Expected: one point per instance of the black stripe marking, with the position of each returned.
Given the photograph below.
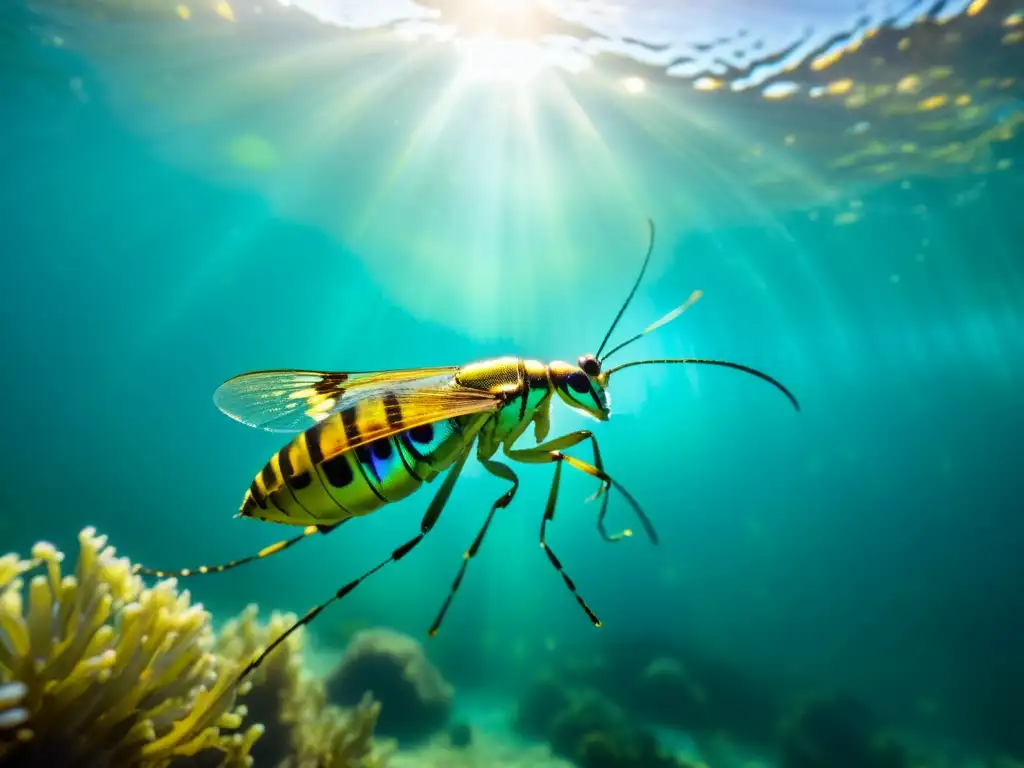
(318, 458)
(267, 473)
(593, 394)
(284, 461)
(401, 441)
(257, 495)
(363, 455)
(312, 436)
(382, 448)
(349, 424)
(292, 480)
(524, 388)
(338, 471)
(407, 442)
(269, 481)
(422, 434)
(330, 384)
(393, 410)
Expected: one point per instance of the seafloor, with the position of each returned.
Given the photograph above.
(99, 667)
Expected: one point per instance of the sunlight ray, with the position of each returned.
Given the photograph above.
(417, 147)
(662, 120)
(610, 163)
(665, 116)
(541, 185)
(337, 115)
(228, 86)
(541, 242)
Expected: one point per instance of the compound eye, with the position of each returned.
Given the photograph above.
(578, 382)
(590, 366)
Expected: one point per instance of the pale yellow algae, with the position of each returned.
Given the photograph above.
(97, 669)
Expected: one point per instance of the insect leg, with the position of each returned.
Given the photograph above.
(549, 514)
(428, 521)
(544, 453)
(497, 469)
(273, 549)
(568, 441)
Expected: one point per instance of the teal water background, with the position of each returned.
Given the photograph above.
(871, 541)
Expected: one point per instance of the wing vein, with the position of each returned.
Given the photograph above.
(286, 400)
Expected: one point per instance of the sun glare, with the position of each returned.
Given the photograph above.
(500, 41)
(507, 6)
(634, 85)
(495, 58)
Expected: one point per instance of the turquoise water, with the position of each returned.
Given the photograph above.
(192, 194)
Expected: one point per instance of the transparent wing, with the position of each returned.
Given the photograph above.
(417, 407)
(293, 400)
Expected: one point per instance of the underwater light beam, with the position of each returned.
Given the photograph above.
(578, 116)
(423, 137)
(540, 178)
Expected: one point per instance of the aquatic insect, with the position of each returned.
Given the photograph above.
(372, 438)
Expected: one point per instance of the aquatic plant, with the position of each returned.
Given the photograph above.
(12, 697)
(302, 729)
(96, 669)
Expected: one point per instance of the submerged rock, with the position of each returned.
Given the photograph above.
(582, 724)
(416, 700)
(837, 732)
(460, 735)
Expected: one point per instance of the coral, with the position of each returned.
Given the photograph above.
(12, 697)
(415, 697)
(271, 699)
(336, 739)
(302, 730)
(98, 670)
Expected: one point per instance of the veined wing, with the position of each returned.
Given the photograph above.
(294, 400)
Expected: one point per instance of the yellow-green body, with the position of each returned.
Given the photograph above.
(317, 479)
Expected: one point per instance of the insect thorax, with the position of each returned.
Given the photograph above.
(526, 388)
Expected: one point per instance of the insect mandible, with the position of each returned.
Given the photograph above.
(368, 439)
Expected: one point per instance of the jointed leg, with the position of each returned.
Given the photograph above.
(273, 549)
(574, 438)
(429, 519)
(498, 470)
(549, 514)
(551, 452)
(568, 441)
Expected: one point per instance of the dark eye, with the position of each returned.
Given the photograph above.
(578, 382)
(590, 366)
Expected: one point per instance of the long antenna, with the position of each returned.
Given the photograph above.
(647, 258)
(667, 318)
(704, 361)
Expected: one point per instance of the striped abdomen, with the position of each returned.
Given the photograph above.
(318, 479)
